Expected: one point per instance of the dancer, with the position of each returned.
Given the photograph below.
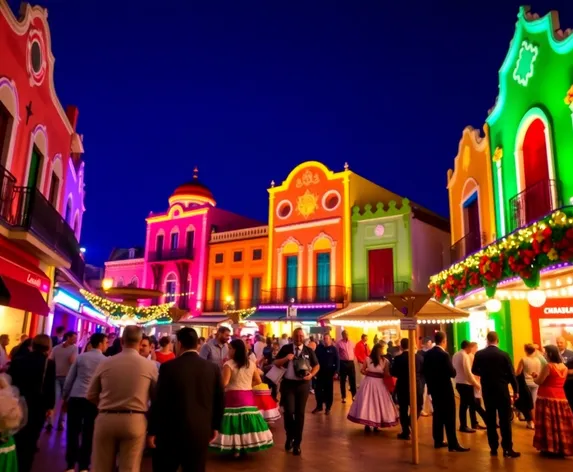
(553, 416)
(373, 406)
(244, 428)
(11, 419)
(266, 404)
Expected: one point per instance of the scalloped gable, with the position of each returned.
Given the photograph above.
(561, 42)
(470, 137)
(391, 210)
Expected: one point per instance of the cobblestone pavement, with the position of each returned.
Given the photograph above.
(333, 444)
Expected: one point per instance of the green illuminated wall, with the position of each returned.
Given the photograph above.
(377, 229)
(533, 81)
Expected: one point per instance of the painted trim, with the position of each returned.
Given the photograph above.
(330, 175)
(280, 204)
(478, 143)
(122, 262)
(474, 194)
(21, 27)
(530, 116)
(271, 231)
(170, 215)
(328, 194)
(347, 258)
(14, 111)
(310, 224)
(501, 202)
(202, 274)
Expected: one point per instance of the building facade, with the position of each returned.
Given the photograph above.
(39, 145)
(175, 258)
(520, 284)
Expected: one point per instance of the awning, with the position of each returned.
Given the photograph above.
(381, 313)
(22, 284)
(309, 316)
(205, 320)
(25, 297)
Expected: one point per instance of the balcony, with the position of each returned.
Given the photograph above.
(320, 294)
(26, 209)
(239, 234)
(210, 306)
(533, 203)
(465, 246)
(363, 292)
(182, 253)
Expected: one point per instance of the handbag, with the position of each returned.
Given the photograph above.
(275, 374)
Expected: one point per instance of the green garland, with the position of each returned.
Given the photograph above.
(522, 254)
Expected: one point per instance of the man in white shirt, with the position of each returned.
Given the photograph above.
(466, 385)
(259, 347)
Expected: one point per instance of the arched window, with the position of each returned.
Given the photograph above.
(69, 211)
(134, 282)
(8, 121)
(120, 282)
(170, 287)
(55, 183)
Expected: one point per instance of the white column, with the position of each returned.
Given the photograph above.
(333, 269)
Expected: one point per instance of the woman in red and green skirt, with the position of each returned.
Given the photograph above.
(243, 428)
(553, 415)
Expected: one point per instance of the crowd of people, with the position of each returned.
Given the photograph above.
(123, 397)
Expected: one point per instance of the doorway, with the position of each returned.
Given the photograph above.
(36, 162)
(380, 273)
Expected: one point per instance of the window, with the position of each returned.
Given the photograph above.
(131, 253)
(69, 212)
(190, 243)
(159, 245)
(54, 190)
(134, 281)
(217, 295)
(170, 288)
(5, 133)
(174, 241)
(120, 282)
(256, 290)
(257, 254)
(219, 258)
(237, 256)
(36, 163)
(236, 291)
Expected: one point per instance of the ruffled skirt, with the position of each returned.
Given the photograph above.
(8, 459)
(373, 405)
(553, 426)
(266, 405)
(243, 428)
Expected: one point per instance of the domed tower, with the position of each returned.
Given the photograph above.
(192, 194)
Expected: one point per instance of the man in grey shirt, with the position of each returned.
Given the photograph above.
(81, 412)
(64, 355)
(217, 350)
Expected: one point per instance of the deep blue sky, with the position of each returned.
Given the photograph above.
(248, 89)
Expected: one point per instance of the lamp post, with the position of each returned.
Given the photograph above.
(409, 304)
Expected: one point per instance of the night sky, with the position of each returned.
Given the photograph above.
(246, 90)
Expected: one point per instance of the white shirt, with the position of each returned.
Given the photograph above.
(3, 357)
(463, 365)
(258, 349)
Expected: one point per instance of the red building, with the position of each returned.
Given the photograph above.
(38, 147)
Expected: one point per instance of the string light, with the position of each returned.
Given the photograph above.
(509, 250)
(118, 311)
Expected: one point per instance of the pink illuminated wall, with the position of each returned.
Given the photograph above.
(126, 272)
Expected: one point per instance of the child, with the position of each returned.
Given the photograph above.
(266, 404)
(11, 419)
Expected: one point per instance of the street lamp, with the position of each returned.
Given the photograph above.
(106, 284)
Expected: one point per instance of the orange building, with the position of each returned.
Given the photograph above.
(310, 234)
(237, 267)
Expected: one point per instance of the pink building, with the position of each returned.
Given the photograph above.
(175, 257)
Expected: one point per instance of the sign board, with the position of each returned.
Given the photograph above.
(408, 323)
(291, 312)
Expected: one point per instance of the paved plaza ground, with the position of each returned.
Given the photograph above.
(333, 444)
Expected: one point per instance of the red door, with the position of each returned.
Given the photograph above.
(380, 273)
(536, 172)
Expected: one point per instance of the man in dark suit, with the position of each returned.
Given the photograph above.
(295, 388)
(496, 372)
(439, 372)
(327, 356)
(188, 409)
(401, 370)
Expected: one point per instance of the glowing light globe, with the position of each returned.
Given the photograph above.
(536, 298)
(493, 305)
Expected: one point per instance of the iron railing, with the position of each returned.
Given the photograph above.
(317, 294)
(182, 253)
(7, 184)
(368, 292)
(533, 203)
(465, 246)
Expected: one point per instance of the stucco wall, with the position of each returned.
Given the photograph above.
(125, 271)
(430, 253)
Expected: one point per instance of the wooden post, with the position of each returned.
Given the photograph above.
(413, 396)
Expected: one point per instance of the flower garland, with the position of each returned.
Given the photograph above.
(117, 311)
(523, 254)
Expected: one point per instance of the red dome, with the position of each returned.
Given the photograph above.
(191, 189)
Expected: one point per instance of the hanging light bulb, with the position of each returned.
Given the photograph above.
(493, 305)
(536, 298)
